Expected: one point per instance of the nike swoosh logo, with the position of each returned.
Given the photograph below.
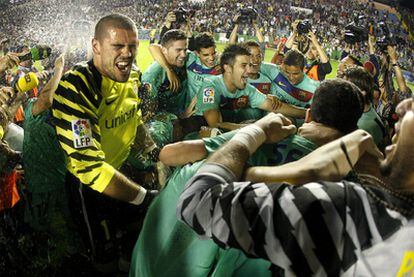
(281, 84)
(111, 99)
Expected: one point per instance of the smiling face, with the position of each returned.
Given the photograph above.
(256, 59)
(175, 52)
(207, 56)
(114, 53)
(235, 76)
(293, 73)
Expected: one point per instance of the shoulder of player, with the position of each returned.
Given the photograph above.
(154, 68)
(310, 82)
(84, 80)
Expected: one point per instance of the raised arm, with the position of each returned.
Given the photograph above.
(45, 99)
(402, 85)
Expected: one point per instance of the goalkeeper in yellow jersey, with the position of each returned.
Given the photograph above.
(97, 116)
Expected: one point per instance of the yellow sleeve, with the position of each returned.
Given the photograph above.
(76, 122)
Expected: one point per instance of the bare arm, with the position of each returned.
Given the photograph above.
(402, 85)
(371, 44)
(273, 104)
(121, 188)
(259, 34)
(235, 153)
(322, 55)
(233, 35)
(45, 99)
(277, 52)
(292, 37)
(213, 118)
(183, 152)
(230, 126)
(328, 162)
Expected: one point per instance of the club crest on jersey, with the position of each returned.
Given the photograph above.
(208, 95)
(82, 133)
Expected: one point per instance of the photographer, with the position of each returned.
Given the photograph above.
(389, 68)
(318, 65)
(177, 19)
(247, 16)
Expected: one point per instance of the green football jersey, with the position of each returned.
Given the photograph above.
(197, 73)
(299, 95)
(168, 247)
(158, 83)
(372, 123)
(214, 95)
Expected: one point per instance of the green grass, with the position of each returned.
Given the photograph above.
(145, 58)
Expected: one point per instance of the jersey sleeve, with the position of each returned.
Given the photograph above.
(207, 98)
(256, 98)
(269, 70)
(78, 131)
(213, 143)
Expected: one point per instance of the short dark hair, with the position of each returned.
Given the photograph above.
(360, 77)
(337, 103)
(203, 40)
(231, 52)
(294, 58)
(251, 43)
(171, 36)
(114, 20)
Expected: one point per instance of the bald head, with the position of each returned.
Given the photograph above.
(117, 21)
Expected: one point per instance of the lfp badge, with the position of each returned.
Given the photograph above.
(82, 133)
(208, 95)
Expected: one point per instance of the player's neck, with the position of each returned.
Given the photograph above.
(228, 82)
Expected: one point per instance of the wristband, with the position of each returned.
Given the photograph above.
(140, 196)
(251, 136)
(395, 64)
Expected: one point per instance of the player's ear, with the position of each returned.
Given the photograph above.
(96, 47)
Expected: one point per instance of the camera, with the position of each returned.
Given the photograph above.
(386, 38)
(247, 15)
(356, 31)
(181, 16)
(355, 34)
(304, 27)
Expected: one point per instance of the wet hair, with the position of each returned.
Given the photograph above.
(294, 58)
(171, 36)
(203, 40)
(360, 77)
(337, 103)
(116, 21)
(231, 52)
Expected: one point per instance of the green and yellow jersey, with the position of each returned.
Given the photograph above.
(96, 121)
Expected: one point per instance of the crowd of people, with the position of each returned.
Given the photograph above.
(328, 17)
(282, 167)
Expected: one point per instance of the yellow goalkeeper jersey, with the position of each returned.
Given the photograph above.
(96, 121)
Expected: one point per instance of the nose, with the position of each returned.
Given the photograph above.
(127, 51)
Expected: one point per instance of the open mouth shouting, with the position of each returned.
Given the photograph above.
(124, 66)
